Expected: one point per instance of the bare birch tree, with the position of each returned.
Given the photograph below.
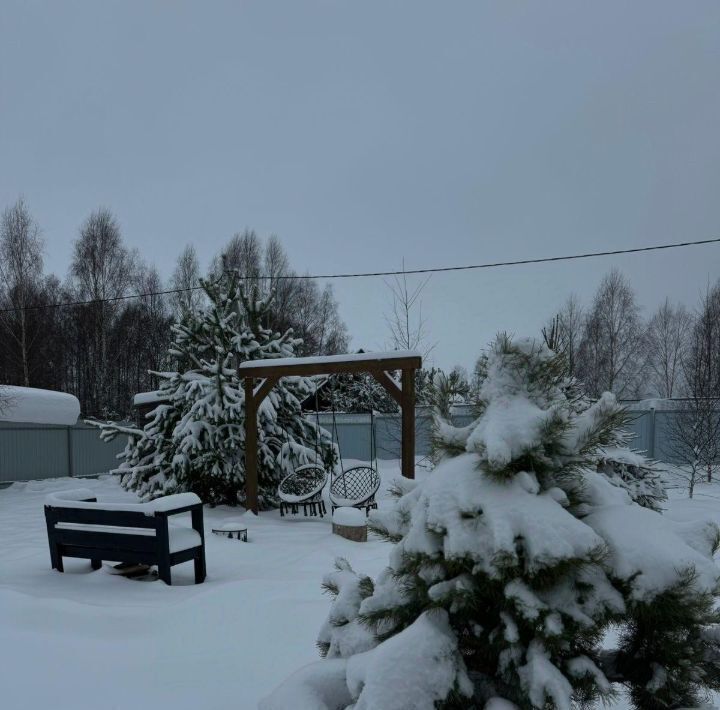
(564, 331)
(702, 374)
(666, 344)
(609, 353)
(242, 253)
(405, 321)
(296, 302)
(21, 263)
(102, 269)
(692, 438)
(704, 355)
(186, 279)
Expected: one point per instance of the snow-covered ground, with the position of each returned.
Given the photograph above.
(89, 640)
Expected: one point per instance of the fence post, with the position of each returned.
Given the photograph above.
(651, 448)
(70, 452)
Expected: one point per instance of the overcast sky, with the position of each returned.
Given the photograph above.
(362, 133)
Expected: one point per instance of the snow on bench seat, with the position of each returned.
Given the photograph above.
(180, 538)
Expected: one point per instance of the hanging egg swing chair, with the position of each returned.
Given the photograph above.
(357, 486)
(304, 486)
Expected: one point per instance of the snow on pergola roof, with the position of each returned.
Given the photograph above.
(142, 398)
(322, 364)
(35, 406)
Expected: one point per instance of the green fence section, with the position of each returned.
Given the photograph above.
(30, 452)
(35, 451)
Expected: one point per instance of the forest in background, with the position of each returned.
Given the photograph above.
(105, 349)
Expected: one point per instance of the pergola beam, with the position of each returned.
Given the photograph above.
(390, 385)
(306, 367)
(263, 390)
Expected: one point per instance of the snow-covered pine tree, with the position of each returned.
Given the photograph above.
(360, 393)
(642, 478)
(511, 563)
(194, 439)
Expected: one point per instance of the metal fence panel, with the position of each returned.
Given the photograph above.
(641, 427)
(353, 432)
(33, 451)
(90, 454)
(664, 421)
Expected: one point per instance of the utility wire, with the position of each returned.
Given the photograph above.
(366, 274)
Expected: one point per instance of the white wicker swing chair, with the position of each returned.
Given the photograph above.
(304, 486)
(355, 487)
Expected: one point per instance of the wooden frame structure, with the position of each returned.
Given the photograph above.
(376, 364)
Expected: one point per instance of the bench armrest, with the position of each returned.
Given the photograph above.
(195, 509)
(177, 511)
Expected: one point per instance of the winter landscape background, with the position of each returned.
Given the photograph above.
(523, 194)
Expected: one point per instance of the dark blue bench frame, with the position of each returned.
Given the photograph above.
(123, 547)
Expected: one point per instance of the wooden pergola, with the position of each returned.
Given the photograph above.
(268, 372)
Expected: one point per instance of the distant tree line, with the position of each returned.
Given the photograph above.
(105, 351)
(674, 354)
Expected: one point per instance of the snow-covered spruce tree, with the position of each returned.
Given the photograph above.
(511, 563)
(194, 439)
(360, 393)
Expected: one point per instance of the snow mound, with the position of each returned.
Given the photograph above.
(351, 517)
(36, 406)
(317, 686)
(413, 669)
(653, 552)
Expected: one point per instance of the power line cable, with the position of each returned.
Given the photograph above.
(368, 274)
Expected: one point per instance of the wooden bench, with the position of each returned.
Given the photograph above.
(79, 526)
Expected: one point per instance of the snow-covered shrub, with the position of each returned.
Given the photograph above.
(515, 557)
(195, 438)
(641, 478)
(343, 634)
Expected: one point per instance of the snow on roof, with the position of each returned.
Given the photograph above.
(36, 406)
(659, 405)
(148, 398)
(329, 359)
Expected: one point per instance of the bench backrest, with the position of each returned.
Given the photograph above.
(98, 516)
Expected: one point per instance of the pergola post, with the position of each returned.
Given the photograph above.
(251, 486)
(407, 466)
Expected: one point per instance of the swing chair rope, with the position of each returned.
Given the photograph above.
(304, 441)
(305, 483)
(373, 443)
(335, 436)
(317, 428)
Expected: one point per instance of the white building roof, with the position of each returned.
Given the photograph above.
(36, 406)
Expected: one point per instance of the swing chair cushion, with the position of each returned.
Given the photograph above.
(304, 483)
(354, 486)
